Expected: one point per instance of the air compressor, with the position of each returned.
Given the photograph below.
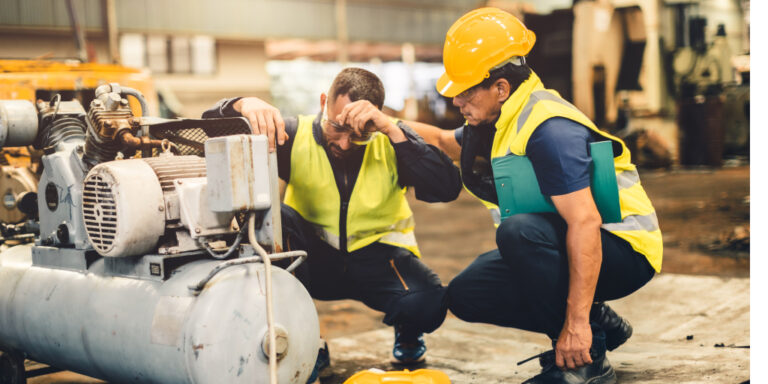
(153, 259)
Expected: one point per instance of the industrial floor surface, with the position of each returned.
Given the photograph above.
(687, 329)
(691, 322)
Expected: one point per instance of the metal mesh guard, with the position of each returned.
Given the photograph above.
(190, 134)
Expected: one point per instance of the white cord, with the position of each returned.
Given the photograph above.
(272, 353)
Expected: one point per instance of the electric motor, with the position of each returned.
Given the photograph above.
(128, 205)
(123, 208)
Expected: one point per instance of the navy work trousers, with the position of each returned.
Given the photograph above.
(384, 277)
(524, 283)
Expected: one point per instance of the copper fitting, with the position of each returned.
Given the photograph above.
(130, 141)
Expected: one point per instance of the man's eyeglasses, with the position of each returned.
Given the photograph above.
(467, 94)
(363, 139)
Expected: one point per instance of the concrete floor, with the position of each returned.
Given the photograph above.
(711, 310)
(670, 308)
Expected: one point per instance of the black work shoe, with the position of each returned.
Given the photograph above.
(409, 347)
(617, 329)
(599, 372)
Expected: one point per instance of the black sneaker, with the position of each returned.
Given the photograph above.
(409, 348)
(599, 372)
(617, 329)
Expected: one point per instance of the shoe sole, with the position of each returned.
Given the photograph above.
(607, 378)
(420, 360)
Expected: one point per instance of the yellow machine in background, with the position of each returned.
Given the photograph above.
(42, 80)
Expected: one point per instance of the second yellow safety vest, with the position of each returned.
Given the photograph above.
(530, 106)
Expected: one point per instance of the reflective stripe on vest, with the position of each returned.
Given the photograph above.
(635, 223)
(495, 216)
(493, 209)
(627, 179)
(401, 239)
(377, 210)
(325, 235)
(527, 108)
(400, 234)
(401, 227)
(535, 98)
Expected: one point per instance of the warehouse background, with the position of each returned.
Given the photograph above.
(671, 77)
(199, 50)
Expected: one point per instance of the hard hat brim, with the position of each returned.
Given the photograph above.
(448, 88)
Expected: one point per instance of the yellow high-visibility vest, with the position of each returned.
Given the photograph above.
(530, 106)
(377, 210)
(493, 209)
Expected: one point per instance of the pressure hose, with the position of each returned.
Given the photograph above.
(138, 96)
(272, 353)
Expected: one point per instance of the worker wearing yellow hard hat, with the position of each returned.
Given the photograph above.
(476, 43)
(576, 227)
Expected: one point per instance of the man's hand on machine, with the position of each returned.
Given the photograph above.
(265, 119)
(364, 118)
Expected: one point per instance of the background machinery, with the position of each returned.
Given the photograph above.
(34, 80)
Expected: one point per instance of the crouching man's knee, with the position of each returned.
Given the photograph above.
(424, 310)
(462, 298)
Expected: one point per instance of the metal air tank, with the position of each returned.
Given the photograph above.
(96, 322)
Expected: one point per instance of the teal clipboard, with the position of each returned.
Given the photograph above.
(518, 189)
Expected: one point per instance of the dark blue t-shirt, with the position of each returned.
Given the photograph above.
(559, 152)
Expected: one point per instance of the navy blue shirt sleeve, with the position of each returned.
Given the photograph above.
(223, 108)
(427, 169)
(458, 134)
(559, 152)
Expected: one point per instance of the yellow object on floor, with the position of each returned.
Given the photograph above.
(419, 376)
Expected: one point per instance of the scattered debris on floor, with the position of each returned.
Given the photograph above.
(735, 239)
(722, 345)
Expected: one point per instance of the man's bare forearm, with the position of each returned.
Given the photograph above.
(585, 257)
(584, 260)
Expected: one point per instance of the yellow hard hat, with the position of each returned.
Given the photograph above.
(419, 376)
(476, 43)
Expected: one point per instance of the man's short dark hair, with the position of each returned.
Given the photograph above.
(358, 84)
(515, 75)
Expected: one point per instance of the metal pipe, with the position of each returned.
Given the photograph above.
(272, 353)
(79, 33)
(110, 18)
(274, 194)
(136, 94)
(130, 141)
(18, 123)
(302, 255)
(342, 36)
